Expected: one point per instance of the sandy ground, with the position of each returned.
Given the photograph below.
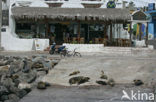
(121, 69)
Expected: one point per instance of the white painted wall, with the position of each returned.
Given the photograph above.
(12, 43)
(84, 47)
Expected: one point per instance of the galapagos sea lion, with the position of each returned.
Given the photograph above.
(111, 82)
(138, 82)
(103, 76)
(74, 73)
(78, 80)
(101, 82)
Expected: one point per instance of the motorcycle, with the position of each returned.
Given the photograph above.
(54, 50)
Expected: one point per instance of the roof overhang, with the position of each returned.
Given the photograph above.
(71, 13)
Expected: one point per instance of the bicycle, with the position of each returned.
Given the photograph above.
(67, 53)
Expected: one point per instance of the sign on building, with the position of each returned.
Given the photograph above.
(111, 4)
(151, 6)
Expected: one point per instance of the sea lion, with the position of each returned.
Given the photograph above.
(78, 80)
(101, 82)
(74, 73)
(138, 82)
(111, 82)
(103, 76)
(83, 80)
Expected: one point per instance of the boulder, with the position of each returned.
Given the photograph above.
(47, 64)
(4, 97)
(9, 101)
(3, 90)
(27, 77)
(4, 69)
(16, 67)
(13, 98)
(41, 73)
(27, 66)
(37, 65)
(7, 82)
(56, 61)
(3, 63)
(21, 93)
(13, 89)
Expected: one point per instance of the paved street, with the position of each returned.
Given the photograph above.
(83, 94)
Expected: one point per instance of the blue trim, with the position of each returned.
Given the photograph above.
(153, 11)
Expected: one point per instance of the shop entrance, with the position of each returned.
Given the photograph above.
(58, 29)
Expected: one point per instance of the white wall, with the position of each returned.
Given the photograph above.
(11, 43)
(68, 4)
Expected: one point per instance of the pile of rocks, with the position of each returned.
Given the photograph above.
(19, 75)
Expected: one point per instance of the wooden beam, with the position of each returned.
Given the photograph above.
(79, 30)
(111, 33)
(130, 37)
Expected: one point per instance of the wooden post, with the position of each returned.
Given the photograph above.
(147, 35)
(46, 30)
(130, 34)
(79, 32)
(140, 31)
(111, 33)
(0, 22)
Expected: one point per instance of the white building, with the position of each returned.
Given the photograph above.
(30, 22)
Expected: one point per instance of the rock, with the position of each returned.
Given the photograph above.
(15, 79)
(3, 63)
(41, 73)
(37, 65)
(3, 90)
(4, 97)
(10, 101)
(13, 98)
(13, 89)
(21, 93)
(9, 60)
(16, 67)
(55, 61)
(24, 86)
(78, 80)
(27, 66)
(101, 82)
(41, 85)
(7, 82)
(16, 82)
(47, 64)
(4, 69)
(27, 90)
(27, 77)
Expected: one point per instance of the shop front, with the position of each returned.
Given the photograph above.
(73, 25)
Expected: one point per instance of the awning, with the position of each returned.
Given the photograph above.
(72, 13)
